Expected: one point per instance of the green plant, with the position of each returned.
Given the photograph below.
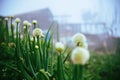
(37, 57)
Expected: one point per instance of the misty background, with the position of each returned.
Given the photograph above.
(99, 20)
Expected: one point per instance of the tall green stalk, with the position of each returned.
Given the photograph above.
(27, 52)
(40, 52)
(34, 25)
(17, 41)
(7, 31)
(2, 32)
(12, 29)
(60, 68)
(38, 61)
(78, 72)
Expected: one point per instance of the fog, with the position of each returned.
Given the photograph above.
(91, 17)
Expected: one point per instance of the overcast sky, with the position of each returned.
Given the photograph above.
(58, 7)
(103, 9)
(69, 8)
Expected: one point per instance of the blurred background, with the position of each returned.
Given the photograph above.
(99, 20)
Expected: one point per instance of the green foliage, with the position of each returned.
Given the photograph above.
(8, 67)
(103, 67)
(37, 59)
(2, 28)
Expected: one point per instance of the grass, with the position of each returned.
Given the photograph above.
(103, 67)
(100, 67)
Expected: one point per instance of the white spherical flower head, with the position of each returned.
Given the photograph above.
(79, 38)
(29, 24)
(34, 21)
(12, 17)
(17, 20)
(37, 32)
(80, 56)
(6, 19)
(25, 23)
(59, 46)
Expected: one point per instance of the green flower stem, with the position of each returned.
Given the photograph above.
(27, 39)
(44, 55)
(78, 72)
(12, 30)
(45, 46)
(29, 60)
(34, 50)
(46, 58)
(51, 58)
(17, 41)
(29, 42)
(28, 49)
(48, 50)
(30, 65)
(41, 52)
(2, 33)
(60, 68)
(38, 62)
(34, 42)
(28, 53)
(38, 43)
(34, 26)
(7, 32)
